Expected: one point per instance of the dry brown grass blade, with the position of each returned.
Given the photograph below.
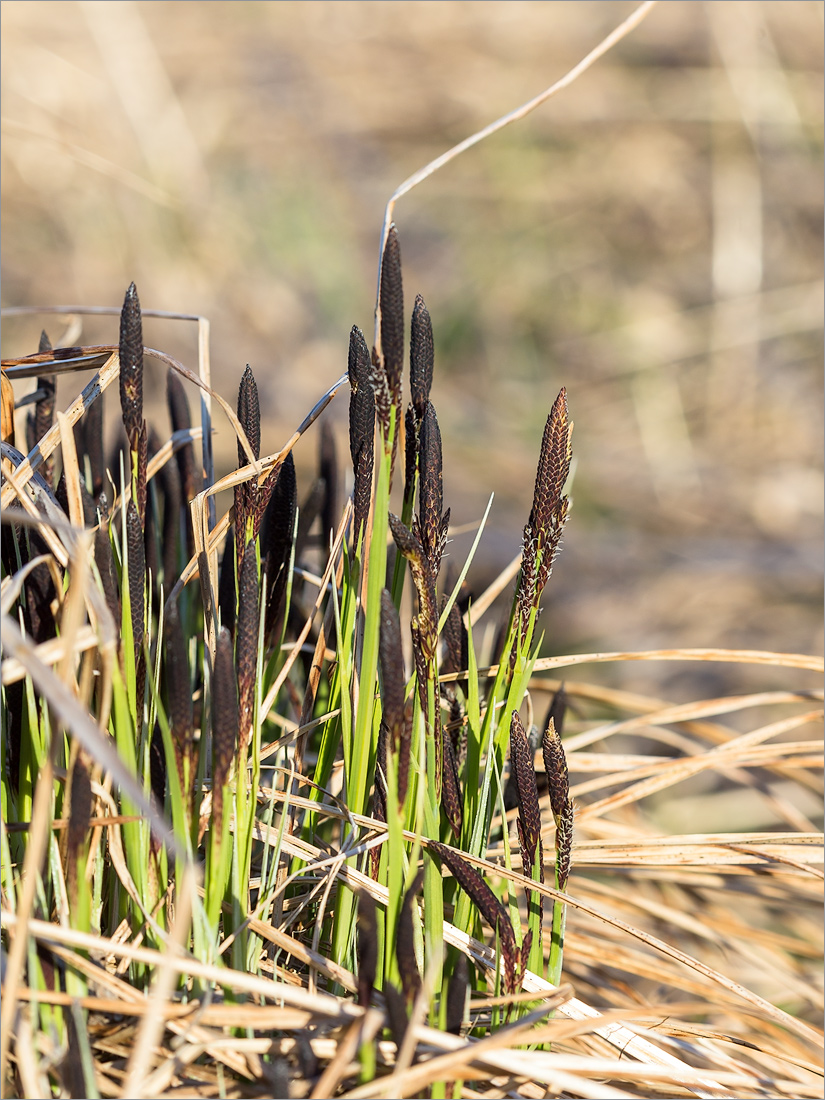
(677, 771)
(737, 656)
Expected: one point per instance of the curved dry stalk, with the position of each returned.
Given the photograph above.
(412, 181)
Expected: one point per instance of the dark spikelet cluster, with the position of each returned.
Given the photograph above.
(246, 494)
(246, 644)
(137, 571)
(105, 562)
(367, 947)
(487, 904)
(555, 765)
(422, 356)
(405, 942)
(432, 521)
(131, 365)
(455, 659)
(392, 667)
(410, 453)
(457, 995)
(224, 724)
(543, 531)
(427, 619)
(361, 428)
(450, 788)
(328, 473)
(181, 421)
(392, 316)
(276, 544)
(41, 419)
(379, 798)
(362, 399)
(167, 482)
(179, 702)
(529, 815)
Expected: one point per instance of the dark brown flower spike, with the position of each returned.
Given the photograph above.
(362, 398)
(557, 710)
(431, 489)
(181, 420)
(413, 551)
(131, 365)
(367, 947)
(421, 356)
(168, 482)
(379, 798)
(249, 414)
(529, 817)
(328, 471)
(105, 562)
(246, 494)
(555, 765)
(246, 645)
(392, 316)
(405, 942)
(179, 698)
(392, 669)
(276, 543)
(224, 724)
(457, 995)
(41, 419)
(451, 800)
(362, 490)
(137, 571)
(410, 453)
(487, 904)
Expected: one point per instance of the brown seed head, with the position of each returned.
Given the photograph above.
(521, 760)
(421, 355)
(555, 765)
(392, 316)
(131, 364)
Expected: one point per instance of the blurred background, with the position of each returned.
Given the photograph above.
(651, 238)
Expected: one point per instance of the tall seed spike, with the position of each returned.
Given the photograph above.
(105, 562)
(451, 799)
(521, 760)
(487, 904)
(362, 397)
(178, 691)
(405, 942)
(431, 486)
(410, 451)
(328, 470)
(564, 843)
(181, 420)
(137, 571)
(392, 316)
(555, 765)
(392, 668)
(362, 490)
(131, 364)
(367, 924)
(276, 543)
(246, 644)
(557, 710)
(421, 355)
(457, 995)
(249, 414)
(224, 723)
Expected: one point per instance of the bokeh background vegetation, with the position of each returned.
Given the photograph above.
(651, 238)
